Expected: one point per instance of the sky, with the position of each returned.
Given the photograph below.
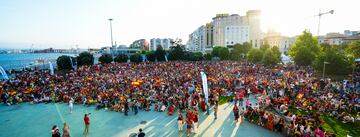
(67, 23)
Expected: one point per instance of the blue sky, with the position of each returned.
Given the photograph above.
(66, 23)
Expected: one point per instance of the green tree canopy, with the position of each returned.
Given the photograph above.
(270, 58)
(136, 58)
(304, 56)
(240, 50)
(216, 51)
(338, 63)
(277, 53)
(150, 56)
(255, 55)
(207, 56)
(121, 58)
(305, 49)
(177, 52)
(85, 58)
(224, 53)
(194, 56)
(354, 49)
(160, 54)
(64, 62)
(264, 46)
(105, 58)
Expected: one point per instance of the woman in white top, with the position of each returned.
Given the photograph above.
(71, 105)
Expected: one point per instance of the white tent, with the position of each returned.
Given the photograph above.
(285, 59)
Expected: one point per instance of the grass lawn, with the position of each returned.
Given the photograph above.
(224, 99)
(333, 125)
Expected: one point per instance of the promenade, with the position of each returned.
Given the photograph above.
(36, 120)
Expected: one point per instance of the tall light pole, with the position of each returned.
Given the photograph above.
(111, 32)
(321, 14)
(323, 75)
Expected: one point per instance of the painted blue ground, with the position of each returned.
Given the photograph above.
(28, 120)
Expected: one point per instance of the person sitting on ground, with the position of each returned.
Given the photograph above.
(141, 133)
(55, 132)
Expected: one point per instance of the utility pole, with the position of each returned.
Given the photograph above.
(323, 75)
(111, 31)
(321, 14)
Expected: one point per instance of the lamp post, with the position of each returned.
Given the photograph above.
(321, 14)
(111, 31)
(323, 75)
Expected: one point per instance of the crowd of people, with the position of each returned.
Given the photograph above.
(177, 86)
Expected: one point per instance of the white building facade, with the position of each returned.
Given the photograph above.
(165, 43)
(228, 30)
(275, 39)
(196, 40)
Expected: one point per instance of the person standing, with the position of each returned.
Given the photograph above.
(126, 107)
(196, 120)
(236, 113)
(66, 130)
(87, 124)
(141, 133)
(207, 109)
(71, 105)
(135, 107)
(215, 111)
(180, 122)
(189, 125)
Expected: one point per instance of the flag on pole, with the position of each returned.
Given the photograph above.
(51, 68)
(205, 86)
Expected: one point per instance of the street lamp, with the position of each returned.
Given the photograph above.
(321, 14)
(111, 31)
(323, 75)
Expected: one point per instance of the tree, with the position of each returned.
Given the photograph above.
(160, 53)
(338, 63)
(207, 56)
(198, 56)
(264, 46)
(177, 52)
(224, 53)
(304, 56)
(136, 58)
(305, 49)
(354, 49)
(216, 51)
(105, 58)
(150, 56)
(193, 56)
(85, 58)
(240, 50)
(121, 58)
(64, 62)
(277, 53)
(269, 58)
(255, 55)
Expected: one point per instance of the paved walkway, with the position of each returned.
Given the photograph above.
(36, 120)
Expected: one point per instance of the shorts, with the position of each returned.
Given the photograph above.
(188, 126)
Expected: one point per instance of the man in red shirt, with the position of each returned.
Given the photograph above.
(87, 124)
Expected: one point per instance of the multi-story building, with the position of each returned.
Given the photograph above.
(351, 33)
(141, 44)
(165, 43)
(197, 40)
(228, 30)
(276, 39)
(336, 38)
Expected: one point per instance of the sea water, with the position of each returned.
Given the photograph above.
(21, 60)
